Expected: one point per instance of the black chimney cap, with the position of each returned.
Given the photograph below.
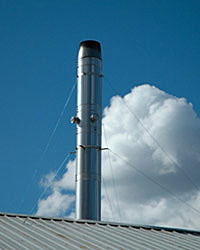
(89, 48)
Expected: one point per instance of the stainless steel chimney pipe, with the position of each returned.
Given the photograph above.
(88, 120)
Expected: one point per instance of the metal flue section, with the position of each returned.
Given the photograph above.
(88, 121)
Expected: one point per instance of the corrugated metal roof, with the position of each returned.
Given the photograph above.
(32, 232)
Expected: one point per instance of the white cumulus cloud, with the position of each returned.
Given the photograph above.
(58, 202)
(154, 173)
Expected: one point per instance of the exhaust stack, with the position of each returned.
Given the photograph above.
(88, 121)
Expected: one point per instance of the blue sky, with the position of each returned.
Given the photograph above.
(156, 42)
